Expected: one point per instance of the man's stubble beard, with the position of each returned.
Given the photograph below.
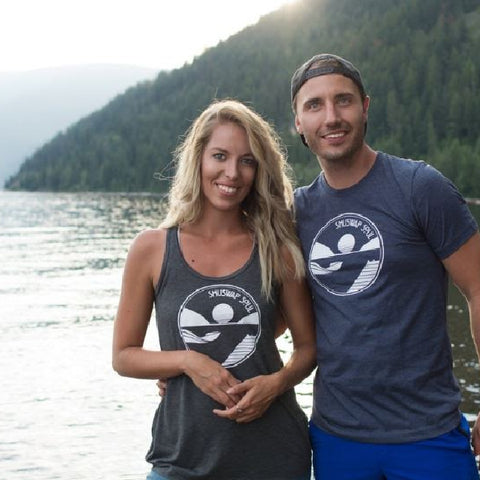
(335, 156)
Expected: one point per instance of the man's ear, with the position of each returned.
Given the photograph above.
(297, 125)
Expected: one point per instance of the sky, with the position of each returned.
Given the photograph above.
(159, 34)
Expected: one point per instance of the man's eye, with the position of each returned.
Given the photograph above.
(344, 100)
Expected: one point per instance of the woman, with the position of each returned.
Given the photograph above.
(222, 265)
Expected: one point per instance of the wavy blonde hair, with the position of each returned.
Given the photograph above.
(267, 208)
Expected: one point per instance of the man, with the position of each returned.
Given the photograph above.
(380, 236)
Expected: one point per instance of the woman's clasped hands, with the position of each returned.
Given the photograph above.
(243, 401)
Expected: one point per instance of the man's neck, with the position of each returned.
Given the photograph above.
(344, 174)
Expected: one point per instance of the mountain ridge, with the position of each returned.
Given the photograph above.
(419, 64)
(37, 104)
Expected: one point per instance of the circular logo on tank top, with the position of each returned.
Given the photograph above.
(346, 255)
(221, 321)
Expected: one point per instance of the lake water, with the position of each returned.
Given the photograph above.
(64, 413)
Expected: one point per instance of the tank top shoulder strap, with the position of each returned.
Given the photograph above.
(172, 246)
(171, 257)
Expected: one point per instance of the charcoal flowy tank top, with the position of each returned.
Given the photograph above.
(228, 319)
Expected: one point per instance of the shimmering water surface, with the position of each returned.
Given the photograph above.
(64, 414)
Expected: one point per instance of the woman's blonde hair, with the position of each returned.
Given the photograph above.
(268, 206)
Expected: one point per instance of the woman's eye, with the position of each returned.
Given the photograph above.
(249, 161)
(219, 156)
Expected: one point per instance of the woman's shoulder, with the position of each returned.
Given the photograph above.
(151, 235)
(145, 256)
(149, 242)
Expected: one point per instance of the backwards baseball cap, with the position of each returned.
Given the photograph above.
(325, 64)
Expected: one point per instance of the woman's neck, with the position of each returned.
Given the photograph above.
(215, 223)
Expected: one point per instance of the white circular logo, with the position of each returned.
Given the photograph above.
(221, 321)
(346, 255)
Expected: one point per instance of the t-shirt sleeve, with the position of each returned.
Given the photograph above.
(441, 211)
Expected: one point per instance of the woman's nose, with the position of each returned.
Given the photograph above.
(231, 168)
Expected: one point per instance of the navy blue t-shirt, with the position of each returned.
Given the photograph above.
(373, 253)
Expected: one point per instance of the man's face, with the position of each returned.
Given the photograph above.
(331, 115)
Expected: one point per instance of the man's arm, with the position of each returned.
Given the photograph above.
(463, 267)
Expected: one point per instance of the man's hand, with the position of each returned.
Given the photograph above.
(162, 386)
(476, 436)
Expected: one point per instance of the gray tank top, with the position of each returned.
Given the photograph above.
(228, 319)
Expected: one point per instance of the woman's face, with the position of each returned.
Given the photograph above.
(228, 167)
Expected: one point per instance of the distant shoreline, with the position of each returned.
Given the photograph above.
(469, 200)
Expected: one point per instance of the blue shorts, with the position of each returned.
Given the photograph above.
(447, 457)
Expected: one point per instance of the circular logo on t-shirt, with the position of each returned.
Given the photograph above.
(221, 321)
(347, 254)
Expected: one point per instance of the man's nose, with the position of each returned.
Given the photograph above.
(331, 113)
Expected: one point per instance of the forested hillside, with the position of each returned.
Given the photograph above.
(420, 64)
(36, 104)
